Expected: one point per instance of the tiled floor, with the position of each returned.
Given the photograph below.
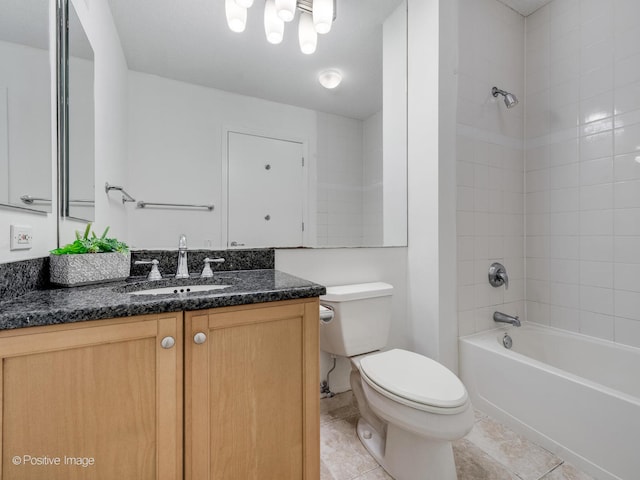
(490, 451)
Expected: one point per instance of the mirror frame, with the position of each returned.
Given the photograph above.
(62, 75)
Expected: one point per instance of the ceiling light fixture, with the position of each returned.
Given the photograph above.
(307, 34)
(330, 79)
(236, 16)
(273, 24)
(316, 16)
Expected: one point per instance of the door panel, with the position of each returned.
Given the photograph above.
(265, 191)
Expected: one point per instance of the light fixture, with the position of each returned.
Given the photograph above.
(307, 35)
(245, 3)
(286, 9)
(316, 16)
(330, 79)
(323, 15)
(236, 16)
(273, 24)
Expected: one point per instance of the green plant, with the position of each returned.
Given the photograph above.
(91, 243)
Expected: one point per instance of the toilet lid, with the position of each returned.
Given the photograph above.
(415, 378)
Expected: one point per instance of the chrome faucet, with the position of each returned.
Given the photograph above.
(504, 318)
(183, 268)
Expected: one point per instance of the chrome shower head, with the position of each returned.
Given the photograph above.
(510, 99)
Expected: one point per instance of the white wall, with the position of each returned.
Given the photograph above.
(110, 91)
(490, 163)
(582, 177)
(26, 123)
(394, 126)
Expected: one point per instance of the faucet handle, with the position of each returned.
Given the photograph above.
(154, 274)
(206, 271)
(498, 275)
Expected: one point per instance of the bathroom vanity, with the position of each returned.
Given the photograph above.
(219, 384)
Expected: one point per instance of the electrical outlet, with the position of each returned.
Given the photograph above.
(21, 237)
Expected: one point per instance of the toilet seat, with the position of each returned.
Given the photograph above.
(414, 380)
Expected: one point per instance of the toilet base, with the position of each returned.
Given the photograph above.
(406, 456)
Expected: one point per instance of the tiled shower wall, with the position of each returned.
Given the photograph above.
(582, 171)
(490, 162)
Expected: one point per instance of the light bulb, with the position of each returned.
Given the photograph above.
(273, 25)
(236, 16)
(322, 15)
(330, 79)
(244, 3)
(286, 9)
(307, 34)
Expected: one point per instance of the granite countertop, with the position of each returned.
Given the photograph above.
(66, 305)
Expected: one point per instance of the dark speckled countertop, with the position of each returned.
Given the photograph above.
(66, 305)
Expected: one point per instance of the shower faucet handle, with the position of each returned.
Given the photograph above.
(498, 275)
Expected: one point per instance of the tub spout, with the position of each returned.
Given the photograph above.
(504, 318)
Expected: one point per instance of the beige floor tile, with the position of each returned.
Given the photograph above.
(517, 454)
(341, 450)
(474, 464)
(377, 474)
(325, 474)
(566, 471)
(342, 405)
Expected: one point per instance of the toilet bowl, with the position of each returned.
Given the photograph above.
(411, 406)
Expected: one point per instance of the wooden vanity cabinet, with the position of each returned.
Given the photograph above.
(92, 400)
(251, 392)
(244, 380)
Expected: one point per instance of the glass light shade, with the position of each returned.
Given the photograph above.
(307, 35)
(286, 9)
(245, 3)
(322, 15)
(236, 16)
(273, 25)
(330, 78)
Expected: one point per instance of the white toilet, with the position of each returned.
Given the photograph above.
(411, 407)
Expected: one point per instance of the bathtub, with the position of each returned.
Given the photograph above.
(577, 396)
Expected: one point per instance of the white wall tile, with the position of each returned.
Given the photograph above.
(597, 325)
(627, 139)
(626, 221)
(627, 276)
(627, 304)
(596, 274)
(596, 299)
(627, 332)
(597, 171)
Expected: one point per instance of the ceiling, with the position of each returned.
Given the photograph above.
(525, 7)
(190, 41)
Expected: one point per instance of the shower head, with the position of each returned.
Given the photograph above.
(510, 99)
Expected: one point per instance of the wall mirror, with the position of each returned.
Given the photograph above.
(212, 113)
(77, 180)
(25, 105)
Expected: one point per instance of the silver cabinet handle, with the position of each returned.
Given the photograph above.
(199, 338)
(168, 342)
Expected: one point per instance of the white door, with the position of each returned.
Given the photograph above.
(265, 199)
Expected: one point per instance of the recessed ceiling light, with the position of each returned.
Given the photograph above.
(330, 78)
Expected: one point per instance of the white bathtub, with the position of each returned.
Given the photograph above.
(577, 396)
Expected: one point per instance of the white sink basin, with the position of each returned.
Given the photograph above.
(178, 289)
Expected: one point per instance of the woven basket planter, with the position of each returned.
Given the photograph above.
(87, 268)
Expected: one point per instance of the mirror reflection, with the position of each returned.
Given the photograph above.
(80, 171)
(25, 105)
(229, 119)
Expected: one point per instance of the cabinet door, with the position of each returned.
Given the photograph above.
(251, 392)
(92, 400)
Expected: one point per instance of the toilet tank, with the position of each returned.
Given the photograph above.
(362, 317)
